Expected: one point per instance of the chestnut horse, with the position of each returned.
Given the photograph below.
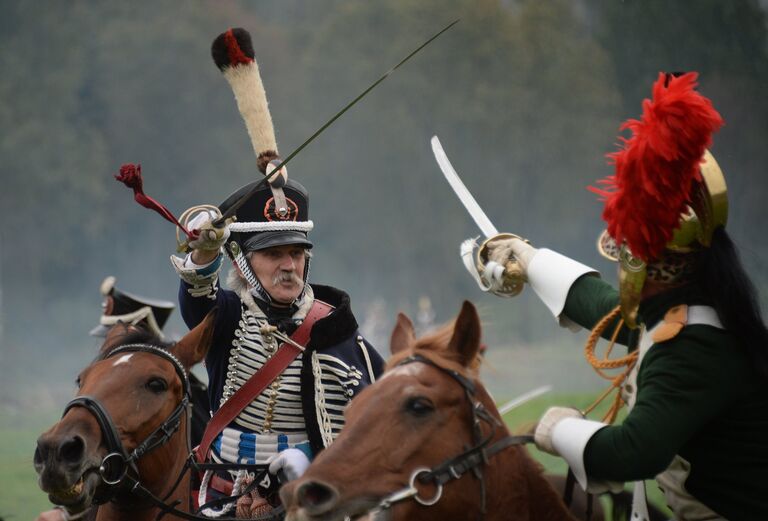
(128, 425)
(425, 442)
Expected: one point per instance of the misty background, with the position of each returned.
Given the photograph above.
(526, 96)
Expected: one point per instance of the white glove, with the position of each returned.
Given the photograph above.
(293, 462)
(210, 238)
(544, 429)
(502, 250)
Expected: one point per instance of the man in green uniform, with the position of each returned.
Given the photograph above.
(698, 393)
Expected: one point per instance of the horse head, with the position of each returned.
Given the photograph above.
(128, 417)
(427, 409)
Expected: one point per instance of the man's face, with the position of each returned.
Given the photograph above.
(280, 270)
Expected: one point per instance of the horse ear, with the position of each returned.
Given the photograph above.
(465, 341)
(403, 336)
(193, 347)
(115, 336)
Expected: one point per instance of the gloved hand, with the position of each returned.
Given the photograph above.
(293, 462)
(502, 250)
(544, 429)
(210, 238)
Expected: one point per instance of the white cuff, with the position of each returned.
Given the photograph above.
(551, 276)
(202, 278)
(189, 263)
(569, 438)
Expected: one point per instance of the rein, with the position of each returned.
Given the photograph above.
(472, 459)
(114, 467)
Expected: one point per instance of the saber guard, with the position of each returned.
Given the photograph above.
(182, 245)
(503, 281)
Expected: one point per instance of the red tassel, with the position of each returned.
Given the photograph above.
(658, 166)
(130, 175)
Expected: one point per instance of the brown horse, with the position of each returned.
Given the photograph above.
(127, 424)
(425, 442)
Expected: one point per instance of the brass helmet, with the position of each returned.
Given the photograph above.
(668, 194)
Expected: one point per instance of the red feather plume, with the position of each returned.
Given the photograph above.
(658, 165)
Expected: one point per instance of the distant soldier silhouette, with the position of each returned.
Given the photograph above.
(120, 307)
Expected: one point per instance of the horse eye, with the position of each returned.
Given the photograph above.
(419, 406)
(157, 385)
(78, 382)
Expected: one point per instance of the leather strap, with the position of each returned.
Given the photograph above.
(271, 369)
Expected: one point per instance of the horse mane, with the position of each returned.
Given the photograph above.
(130, 335)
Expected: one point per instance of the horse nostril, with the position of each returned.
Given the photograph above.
(316, 497)
(42, 452)
(72, 450)
(38, 458)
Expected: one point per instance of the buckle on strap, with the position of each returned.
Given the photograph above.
(412, 492)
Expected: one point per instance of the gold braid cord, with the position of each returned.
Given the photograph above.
(605, 363)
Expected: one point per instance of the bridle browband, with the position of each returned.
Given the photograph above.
(472, 459)
(115, 466)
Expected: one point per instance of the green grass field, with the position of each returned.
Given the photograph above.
(21, 499)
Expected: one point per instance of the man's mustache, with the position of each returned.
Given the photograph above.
(287, 276)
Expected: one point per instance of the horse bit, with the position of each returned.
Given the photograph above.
(115, 465)
(471, 459)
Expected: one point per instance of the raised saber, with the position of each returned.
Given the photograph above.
(464, 195)
(524, 398)
(504, 281)
(232, 209)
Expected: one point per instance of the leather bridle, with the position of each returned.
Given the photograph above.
(472, 459)
(118, 469)
(115, 466)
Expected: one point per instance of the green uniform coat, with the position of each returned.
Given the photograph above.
(698, 397)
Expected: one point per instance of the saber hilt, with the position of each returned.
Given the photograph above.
(507, 280)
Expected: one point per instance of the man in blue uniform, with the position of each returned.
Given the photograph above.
(301, 411)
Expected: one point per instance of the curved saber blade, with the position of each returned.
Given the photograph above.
(524, 398)
(477, 213)
(232, 209)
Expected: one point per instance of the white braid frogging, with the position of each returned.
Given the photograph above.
(361, 343)
(323, 419)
